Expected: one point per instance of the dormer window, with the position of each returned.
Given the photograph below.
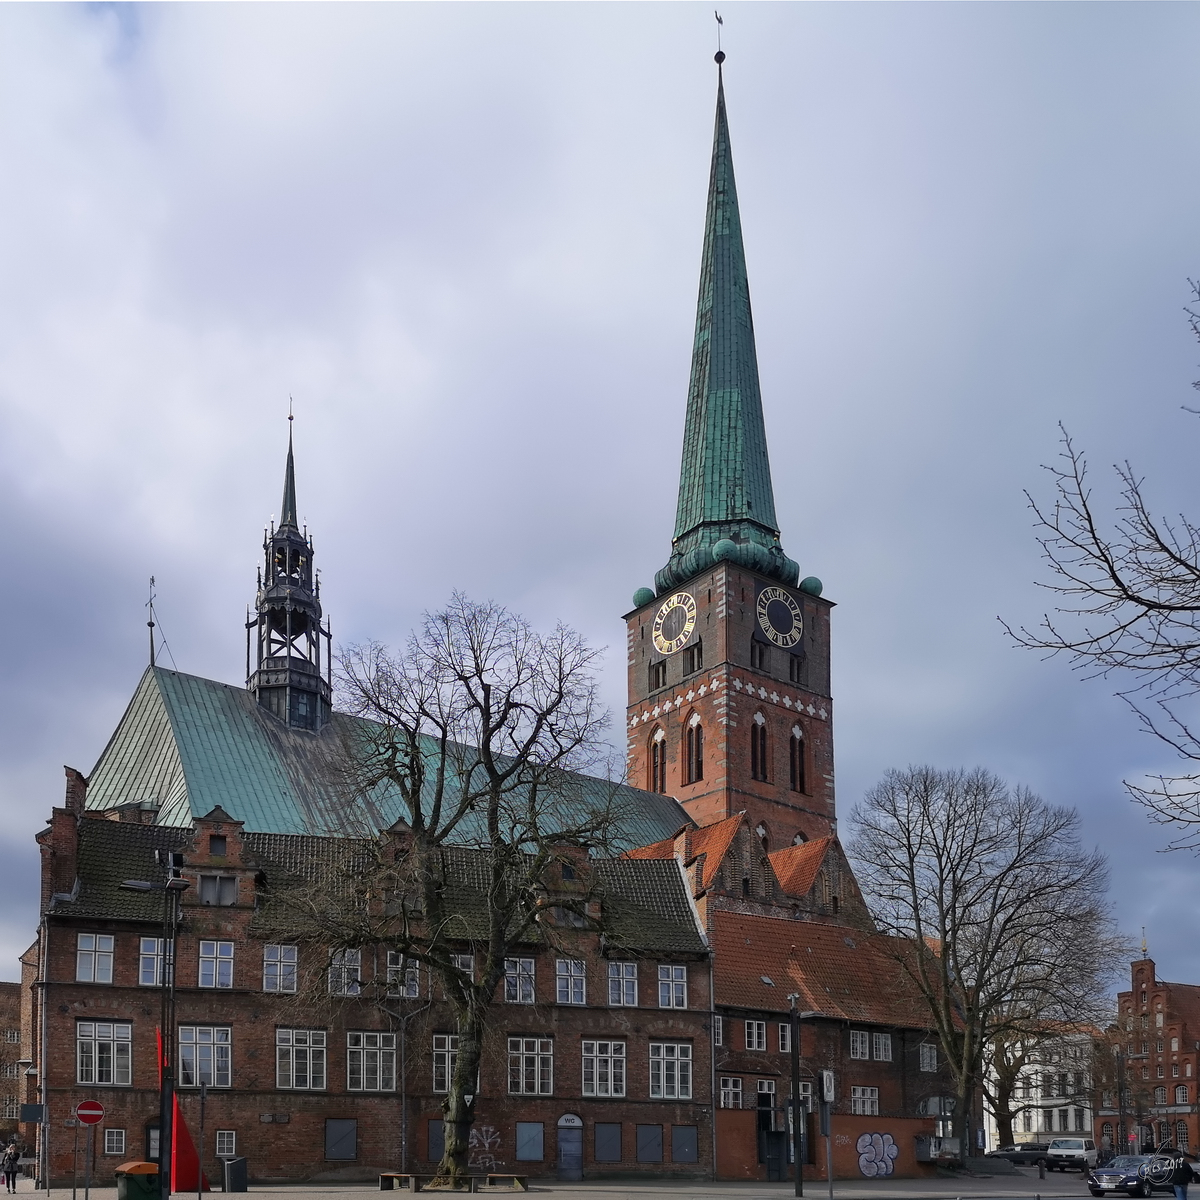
(217, 845)
(218, 889)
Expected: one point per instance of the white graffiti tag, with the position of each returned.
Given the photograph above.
(484, 1140)
(877, 1154)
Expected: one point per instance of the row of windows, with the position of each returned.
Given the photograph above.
(94, 964)
(692, 659)
(1146, 1134)
(1055, 1120)
(760, 756)
(115, 1142)
(606, 1146)
(862, 1044)
(104, 1055)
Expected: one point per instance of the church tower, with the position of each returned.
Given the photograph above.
(287, 668)
(729, 705)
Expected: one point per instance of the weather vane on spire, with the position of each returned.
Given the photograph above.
(719, 57)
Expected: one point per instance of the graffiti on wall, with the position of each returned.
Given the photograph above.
(485, 1141)
(877, 1154)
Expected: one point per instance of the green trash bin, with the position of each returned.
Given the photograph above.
(137, 1181)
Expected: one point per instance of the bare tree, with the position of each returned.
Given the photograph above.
(998, 913)
(477, 728)
(1130, 589)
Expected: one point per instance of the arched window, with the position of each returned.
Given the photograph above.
(1181, 1135)
(693, 769)
(1181, 1094)
(1160, 1095)
(658, 761)
(798, 771)
(799, 840)
(758, 747)
(763, 837)
(1106, 1134)
(1163, 1135)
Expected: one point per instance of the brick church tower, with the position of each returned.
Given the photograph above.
(729, 706)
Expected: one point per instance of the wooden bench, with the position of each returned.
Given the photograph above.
(519, 1183)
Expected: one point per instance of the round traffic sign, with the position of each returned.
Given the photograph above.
(90, 1112)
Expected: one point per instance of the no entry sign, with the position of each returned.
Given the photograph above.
(90, 1112)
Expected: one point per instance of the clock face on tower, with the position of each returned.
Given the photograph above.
(674, 623)
(779, 617)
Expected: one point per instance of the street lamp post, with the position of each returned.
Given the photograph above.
(797, 1129)
(171, 888)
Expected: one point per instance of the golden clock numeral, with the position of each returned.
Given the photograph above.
(783, 638)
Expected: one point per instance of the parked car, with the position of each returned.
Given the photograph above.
(1122, 1174)
(1073, 1152)
(1025, 1155)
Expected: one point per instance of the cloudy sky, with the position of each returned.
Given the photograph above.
(465, 238)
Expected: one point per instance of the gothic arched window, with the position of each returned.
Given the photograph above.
(797, 767)
(658, 761)
(693, 767)
(763, 837)
(758, 747)
(799, 840)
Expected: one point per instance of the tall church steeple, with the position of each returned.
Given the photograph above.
(729, 705)
(726, 508)
(287, 666)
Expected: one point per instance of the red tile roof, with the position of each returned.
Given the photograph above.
(796, 867)
(713, 841)
(841, 972)
(664, 849)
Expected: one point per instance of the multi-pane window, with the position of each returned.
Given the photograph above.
(218, 889)
(445, 1057)
(693, 767)
(226, 1143)
(785, 1037)
(766, 1101)
(103, 1053)
(604, 1068)
(860, 1044)
(1181, 1094)
(518, 980)
(756, 1035)
(371, 1062)
(622, 984)
(11, 1108)
(670, 1071)
(658, 762)
(658, 675)
(718, 1028)
(9, 1070)
(530, 1066)
(572, 981)
(693, 657)
(1181, 1135)
(345, 972)
(731, 1091)
(881, 1046)
(1160, 1095)
(864, 1101)
(114, 1141)
(216, 964)
(464, 963)
(403, 976)
(797, 772)
(279, 968)
(150, 962)
(204, 1056)
(672, 986)
(300, 1059)
(94, 958)
(929, 1060)
(758, 747)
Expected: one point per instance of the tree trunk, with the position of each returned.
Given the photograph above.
(459, 1114)
(1004, 1128)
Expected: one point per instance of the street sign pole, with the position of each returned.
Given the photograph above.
(75, 1159)
(87, 1163)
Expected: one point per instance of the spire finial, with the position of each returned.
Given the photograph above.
(150, 622)
(288, 514)
(1144, 948)
(719, 57)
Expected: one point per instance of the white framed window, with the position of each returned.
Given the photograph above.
(227, 1143)
(929, 1060)
(370, 1062)
(571, 975)
(518, 981)
(279, 968)
(756, 1035)
(766, 1102)
(445, 1057)
(12, 1036)
(1181, 1094)
(864, 1101)
(670, 1070)
(731, 1091)
(103, 1053)
(93, 958)
(622, 984)
(12, 1107)
(785, 1037)
(860, 1044)
(150, 962)
(718, 1028)
(403, 976)
(218, 889)
(300, 1059)
(1174, 1045)
(530, 1066)
(216, 964)
(881, 1046)
(806, 1095)
(345, 972)
(464, 963)
(205, 1055)
(672, 986)
(604, 1068)
(114, 1141)
(9, 1070)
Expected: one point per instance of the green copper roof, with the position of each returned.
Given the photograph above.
(725, 491)
(288, 514)
(188, 745)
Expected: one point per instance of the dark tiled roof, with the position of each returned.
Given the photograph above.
(841, 972)
(647, 907)
(112, 851)
(189, 744)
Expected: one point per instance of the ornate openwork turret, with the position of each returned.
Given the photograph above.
(285, 666)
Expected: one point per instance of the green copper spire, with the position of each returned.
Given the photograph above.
(726, 506)
(288, 516)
